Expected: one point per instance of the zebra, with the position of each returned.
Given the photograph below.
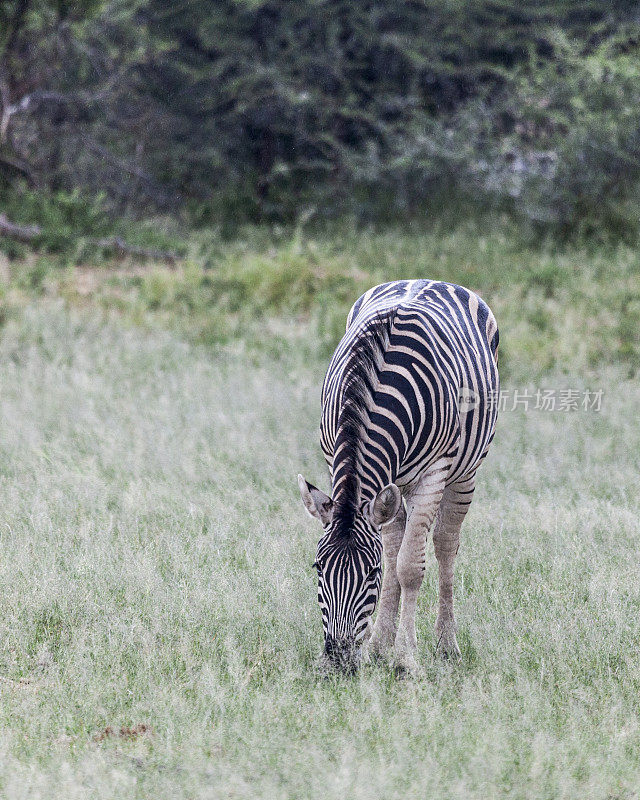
(408, 413)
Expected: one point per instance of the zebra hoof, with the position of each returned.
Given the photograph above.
(407, 669)
(454, 656)
(406, 664)
(378, 648)
(447, 646)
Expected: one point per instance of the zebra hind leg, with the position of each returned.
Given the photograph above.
(384, 629)
(446, 540)
(422, 506)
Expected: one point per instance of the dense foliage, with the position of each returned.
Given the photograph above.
(264, 108)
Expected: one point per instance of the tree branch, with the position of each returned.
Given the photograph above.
(62, 98)
(28, 234)
(20, 166)
(5, 115)
(121, 248)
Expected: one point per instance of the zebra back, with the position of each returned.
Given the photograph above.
(391, 397)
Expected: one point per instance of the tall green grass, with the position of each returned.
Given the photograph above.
(156, 571)
(277, 290)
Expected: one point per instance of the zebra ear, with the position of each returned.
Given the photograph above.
(316, 502)
(385, 505)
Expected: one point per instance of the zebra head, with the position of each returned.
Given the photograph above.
(349, 565)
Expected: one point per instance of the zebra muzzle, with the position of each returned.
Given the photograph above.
(341, 654)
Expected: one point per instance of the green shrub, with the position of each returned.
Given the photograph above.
(63, 217)
(73, 225)
(571, 159)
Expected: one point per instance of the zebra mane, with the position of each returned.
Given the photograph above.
(360, 376)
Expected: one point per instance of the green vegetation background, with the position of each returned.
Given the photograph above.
(217, 114)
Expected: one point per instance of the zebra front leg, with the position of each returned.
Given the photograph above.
(422, 505)
(446, 540)
(384, 629)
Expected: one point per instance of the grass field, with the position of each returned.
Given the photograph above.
(159, 628)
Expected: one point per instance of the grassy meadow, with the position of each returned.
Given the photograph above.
(159, 627)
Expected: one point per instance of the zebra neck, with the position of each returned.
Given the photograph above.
(352, 487)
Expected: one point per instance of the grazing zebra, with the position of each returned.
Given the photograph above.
(408, 411)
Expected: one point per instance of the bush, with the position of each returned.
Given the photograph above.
(72, 224)
(62, 216)
(570, 159)
(267, 110)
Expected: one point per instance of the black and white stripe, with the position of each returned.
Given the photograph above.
(390, 411)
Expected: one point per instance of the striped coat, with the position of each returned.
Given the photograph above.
(408, 403)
